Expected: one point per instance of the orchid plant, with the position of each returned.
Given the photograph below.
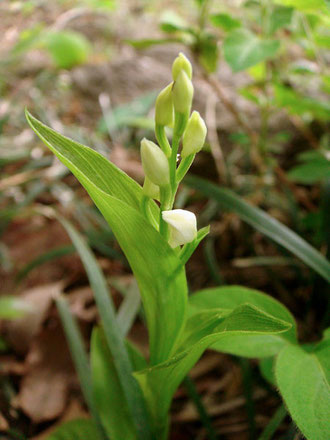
(129, 395)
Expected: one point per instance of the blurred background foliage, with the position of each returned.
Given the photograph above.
(92, 69)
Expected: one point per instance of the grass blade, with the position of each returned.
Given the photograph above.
(273, 424)
(204, 417)
(79, 357)
(265, 224)
(113, 333)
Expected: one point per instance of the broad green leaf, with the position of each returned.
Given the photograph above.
(160, 382)
(225, 22)
(315, 6)
(303, 380)
(108, 394)
(243, 49)
(265, 224)
(12, 307)
(310, 172)
(230, 297)
(90, 167)
(172, 22)
(207, 49)
(279, 18)
(159, 272)
(78, 429)
(266, 367)
(296, 103)
(67, 48)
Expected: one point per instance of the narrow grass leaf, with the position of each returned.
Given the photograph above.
(113, 333)
(265, 224)
(273, 424)
(108, 393)
(79, 356)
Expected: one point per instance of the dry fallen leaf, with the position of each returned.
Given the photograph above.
(44, 389)
(75, 410)
(20, 332)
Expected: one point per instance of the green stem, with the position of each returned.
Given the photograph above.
(145, 208)
(162, 139)
(179, 126)
(184, 166)
(165, 204)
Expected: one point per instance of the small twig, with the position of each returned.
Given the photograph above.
(300, 196)
(253, 136)
(214, 82)
(216, 150)
(304, 130)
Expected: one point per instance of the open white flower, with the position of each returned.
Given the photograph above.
(182, 225)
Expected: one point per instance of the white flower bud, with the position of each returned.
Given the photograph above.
(181, 62)
(150, 189)
(155, 163)
(182, 225)
(194, 135)
(164, 110)
(183, 92)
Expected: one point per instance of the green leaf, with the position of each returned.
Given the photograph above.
(279, 18)
(225, 22)
(315, 6)
(113, 333)
(265, 224)
(155, 266)
(160, 382)
(266, 367)
(79, 357)
(108, 394)
(67, 48)
(243, 49)
(172, 22)
(126, 114)
(78, 429)
(107, 5)
(230, 297)
(149, 42)
(12, 307)
(152, 260)
(207, 49)
(90, 167)
(303, 380)
(310, 172)
(298, 104)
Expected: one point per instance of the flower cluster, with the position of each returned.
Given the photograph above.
(164, 168)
